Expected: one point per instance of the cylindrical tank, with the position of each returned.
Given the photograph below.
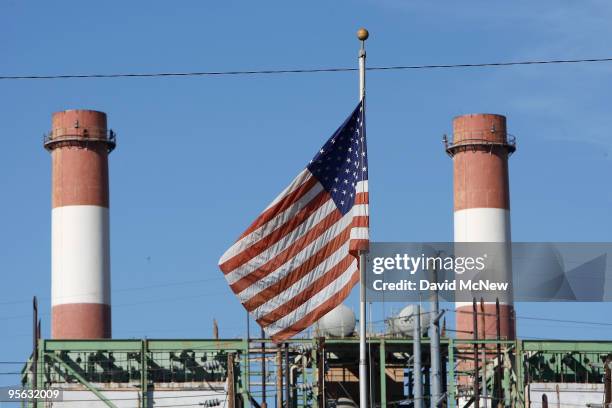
(79, 144)
(339, 322)
(480, 149)
(345, 403)
(403, 323)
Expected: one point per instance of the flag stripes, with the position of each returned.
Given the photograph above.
(298, 259)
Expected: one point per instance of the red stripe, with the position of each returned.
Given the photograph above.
(361, 221)
(297, 246)
(260, 246)
(316, 287)
(362, 198)
(298, 273)
(357, 245)
(318, 312)
(282, 205)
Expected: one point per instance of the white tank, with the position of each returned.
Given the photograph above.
(403, 323)
(339, 322)
(345, 403)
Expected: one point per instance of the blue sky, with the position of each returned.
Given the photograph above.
(198, 158)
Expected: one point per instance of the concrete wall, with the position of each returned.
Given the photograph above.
(125, 397)
(564, 395)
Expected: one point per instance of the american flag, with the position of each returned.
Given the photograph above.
(299, 259)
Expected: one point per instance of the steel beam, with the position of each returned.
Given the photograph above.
(383, 375)
(82, 380)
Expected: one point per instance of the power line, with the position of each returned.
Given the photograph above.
(302, 71)
(543, 319)
(128, 289)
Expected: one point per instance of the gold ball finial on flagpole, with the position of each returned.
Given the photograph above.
(362, 34)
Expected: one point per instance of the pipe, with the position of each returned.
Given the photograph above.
(498, 377)
(476, 379)
(35, 336)
(608, 383)
(264, 403)
(287, 383)
(434, 335)
(279, 376)
(417, 375)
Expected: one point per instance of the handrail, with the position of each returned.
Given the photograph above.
(507, 141)
(109, 138)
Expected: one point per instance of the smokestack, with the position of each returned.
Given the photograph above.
(480, 149)
(79, 144)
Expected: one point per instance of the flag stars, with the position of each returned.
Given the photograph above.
(340, 164)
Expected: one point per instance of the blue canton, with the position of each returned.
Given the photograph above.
(343, 161)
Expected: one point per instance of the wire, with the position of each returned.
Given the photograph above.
(129, 289)
(543, 319)
(303, 71)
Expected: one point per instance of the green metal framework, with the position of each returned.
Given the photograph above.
(138, 363)
(144, 364)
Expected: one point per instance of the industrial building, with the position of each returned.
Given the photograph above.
(485, 365)
(312, 373)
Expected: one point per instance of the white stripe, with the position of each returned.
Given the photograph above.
(361, 210)
(301, 178)
(275, 223)
(314, 302)
(283, 270)
(486, 225)
(361, 186)
(272, 251)
(360, 233)
(299, 286)
(80, 265)
(482, 225)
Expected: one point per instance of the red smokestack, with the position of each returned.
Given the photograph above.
(79, 144)
(480, 149)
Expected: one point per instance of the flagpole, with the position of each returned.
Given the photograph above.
(362, 35)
